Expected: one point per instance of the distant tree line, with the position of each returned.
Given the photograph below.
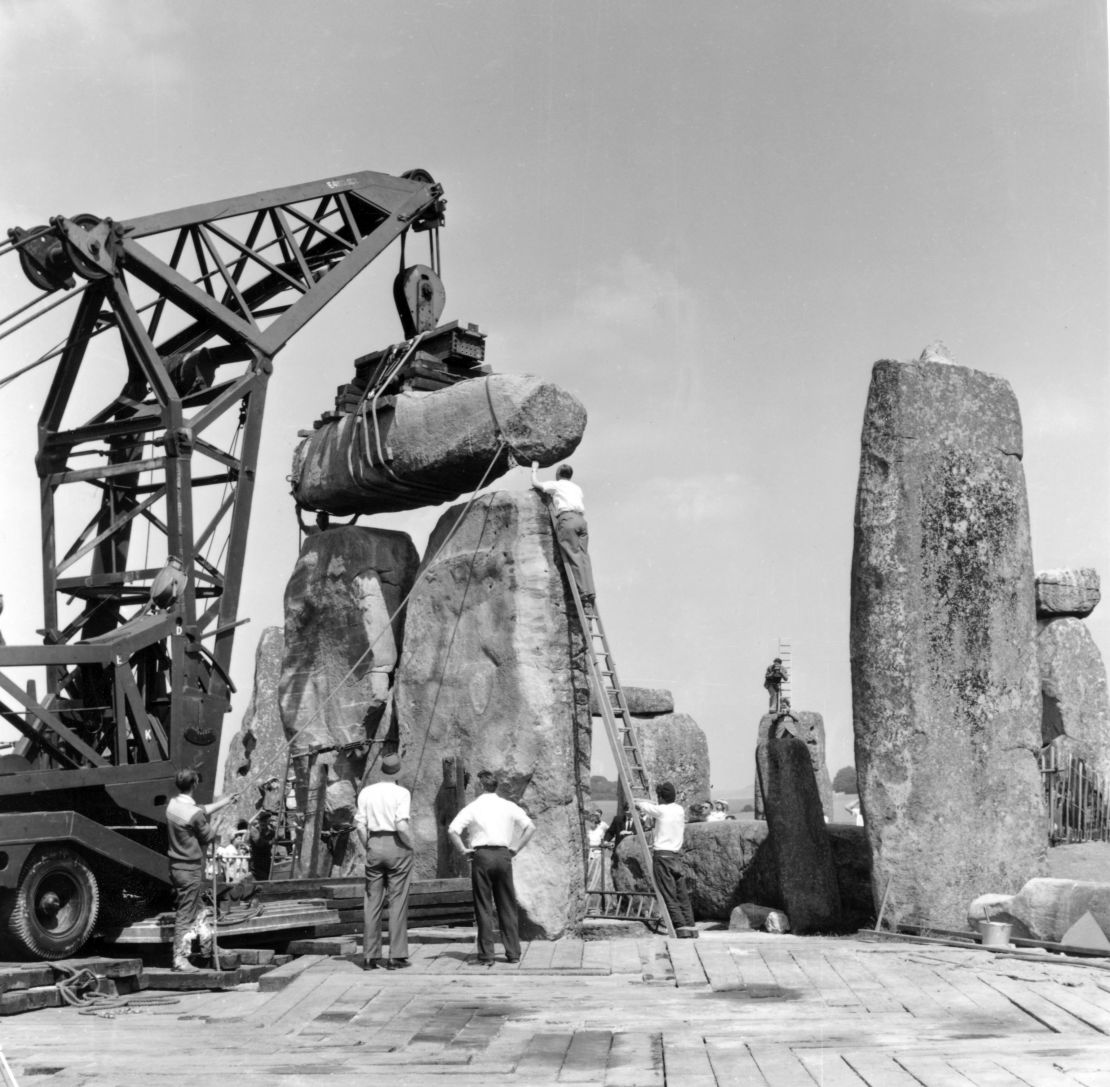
(601, 788)
(845, 780)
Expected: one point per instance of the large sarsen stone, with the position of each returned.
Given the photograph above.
(1073, 691)
(489, 678)
(944, 679)
(431, 447)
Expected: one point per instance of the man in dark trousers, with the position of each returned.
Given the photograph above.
(382, 826)
(570, 528)
(262, 834)
(670, 872)
(190, 834)
(773, 679)
(496, 831)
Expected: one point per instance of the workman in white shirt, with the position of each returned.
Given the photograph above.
(570, 528)
(670, 872)
(382, 826)
(496, 830)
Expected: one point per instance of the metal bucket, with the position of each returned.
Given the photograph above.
(995, 933)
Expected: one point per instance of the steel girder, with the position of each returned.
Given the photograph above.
(186, 297)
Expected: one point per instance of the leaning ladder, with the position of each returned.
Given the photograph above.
(646, 906)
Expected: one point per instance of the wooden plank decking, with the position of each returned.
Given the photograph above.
(727, 1009)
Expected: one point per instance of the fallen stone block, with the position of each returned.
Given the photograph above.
(748, 917)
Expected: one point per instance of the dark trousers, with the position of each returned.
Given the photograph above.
(491, 880)
(388, 870)
(188, 882)
(574, 539)
(670, 876)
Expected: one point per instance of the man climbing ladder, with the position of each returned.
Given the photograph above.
(570, 528)
(648, 906)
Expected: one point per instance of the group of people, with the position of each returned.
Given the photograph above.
(250, 852)
(490, 831)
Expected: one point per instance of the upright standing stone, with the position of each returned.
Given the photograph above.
(258, 750)
(797, 836)
(808, 727)
(342, 628)
(674, 749)
(944, 677)
(1075, 706)
(488, 677)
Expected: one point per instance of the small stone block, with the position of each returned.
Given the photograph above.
(748, 917)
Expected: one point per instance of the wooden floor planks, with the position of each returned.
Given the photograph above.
(750, 1010)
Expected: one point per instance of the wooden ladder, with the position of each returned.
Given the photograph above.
(646, 906)
(786, 652)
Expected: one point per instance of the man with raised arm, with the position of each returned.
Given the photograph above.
(570, 528)
(190, 834)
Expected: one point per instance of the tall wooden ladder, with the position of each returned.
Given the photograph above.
(646, 906)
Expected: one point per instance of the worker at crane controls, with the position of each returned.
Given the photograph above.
(570, 528)
(190, 835)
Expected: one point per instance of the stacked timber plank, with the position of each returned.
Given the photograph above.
(277, 917)
(432, 902)
(26, 986)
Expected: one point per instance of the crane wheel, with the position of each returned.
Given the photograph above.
(54, 909)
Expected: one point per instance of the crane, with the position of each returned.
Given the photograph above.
(154, 417)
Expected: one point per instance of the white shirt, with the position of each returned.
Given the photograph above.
(566, 496)
(596, 835)
(382, 806)
(490, 820)
(670, 821)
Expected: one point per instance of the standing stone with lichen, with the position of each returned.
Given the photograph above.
(945, 690)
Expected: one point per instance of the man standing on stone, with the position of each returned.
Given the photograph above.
(670, 872)
(496, 830)
(382, 826)
(570, 528)
(773, 679)
(190, 834)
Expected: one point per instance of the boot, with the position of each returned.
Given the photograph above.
(181, 957)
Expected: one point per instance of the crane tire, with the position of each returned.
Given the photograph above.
(53, 910)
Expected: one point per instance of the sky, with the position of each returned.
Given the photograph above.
(705, 220)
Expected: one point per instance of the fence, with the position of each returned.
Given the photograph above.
(1077, 798)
